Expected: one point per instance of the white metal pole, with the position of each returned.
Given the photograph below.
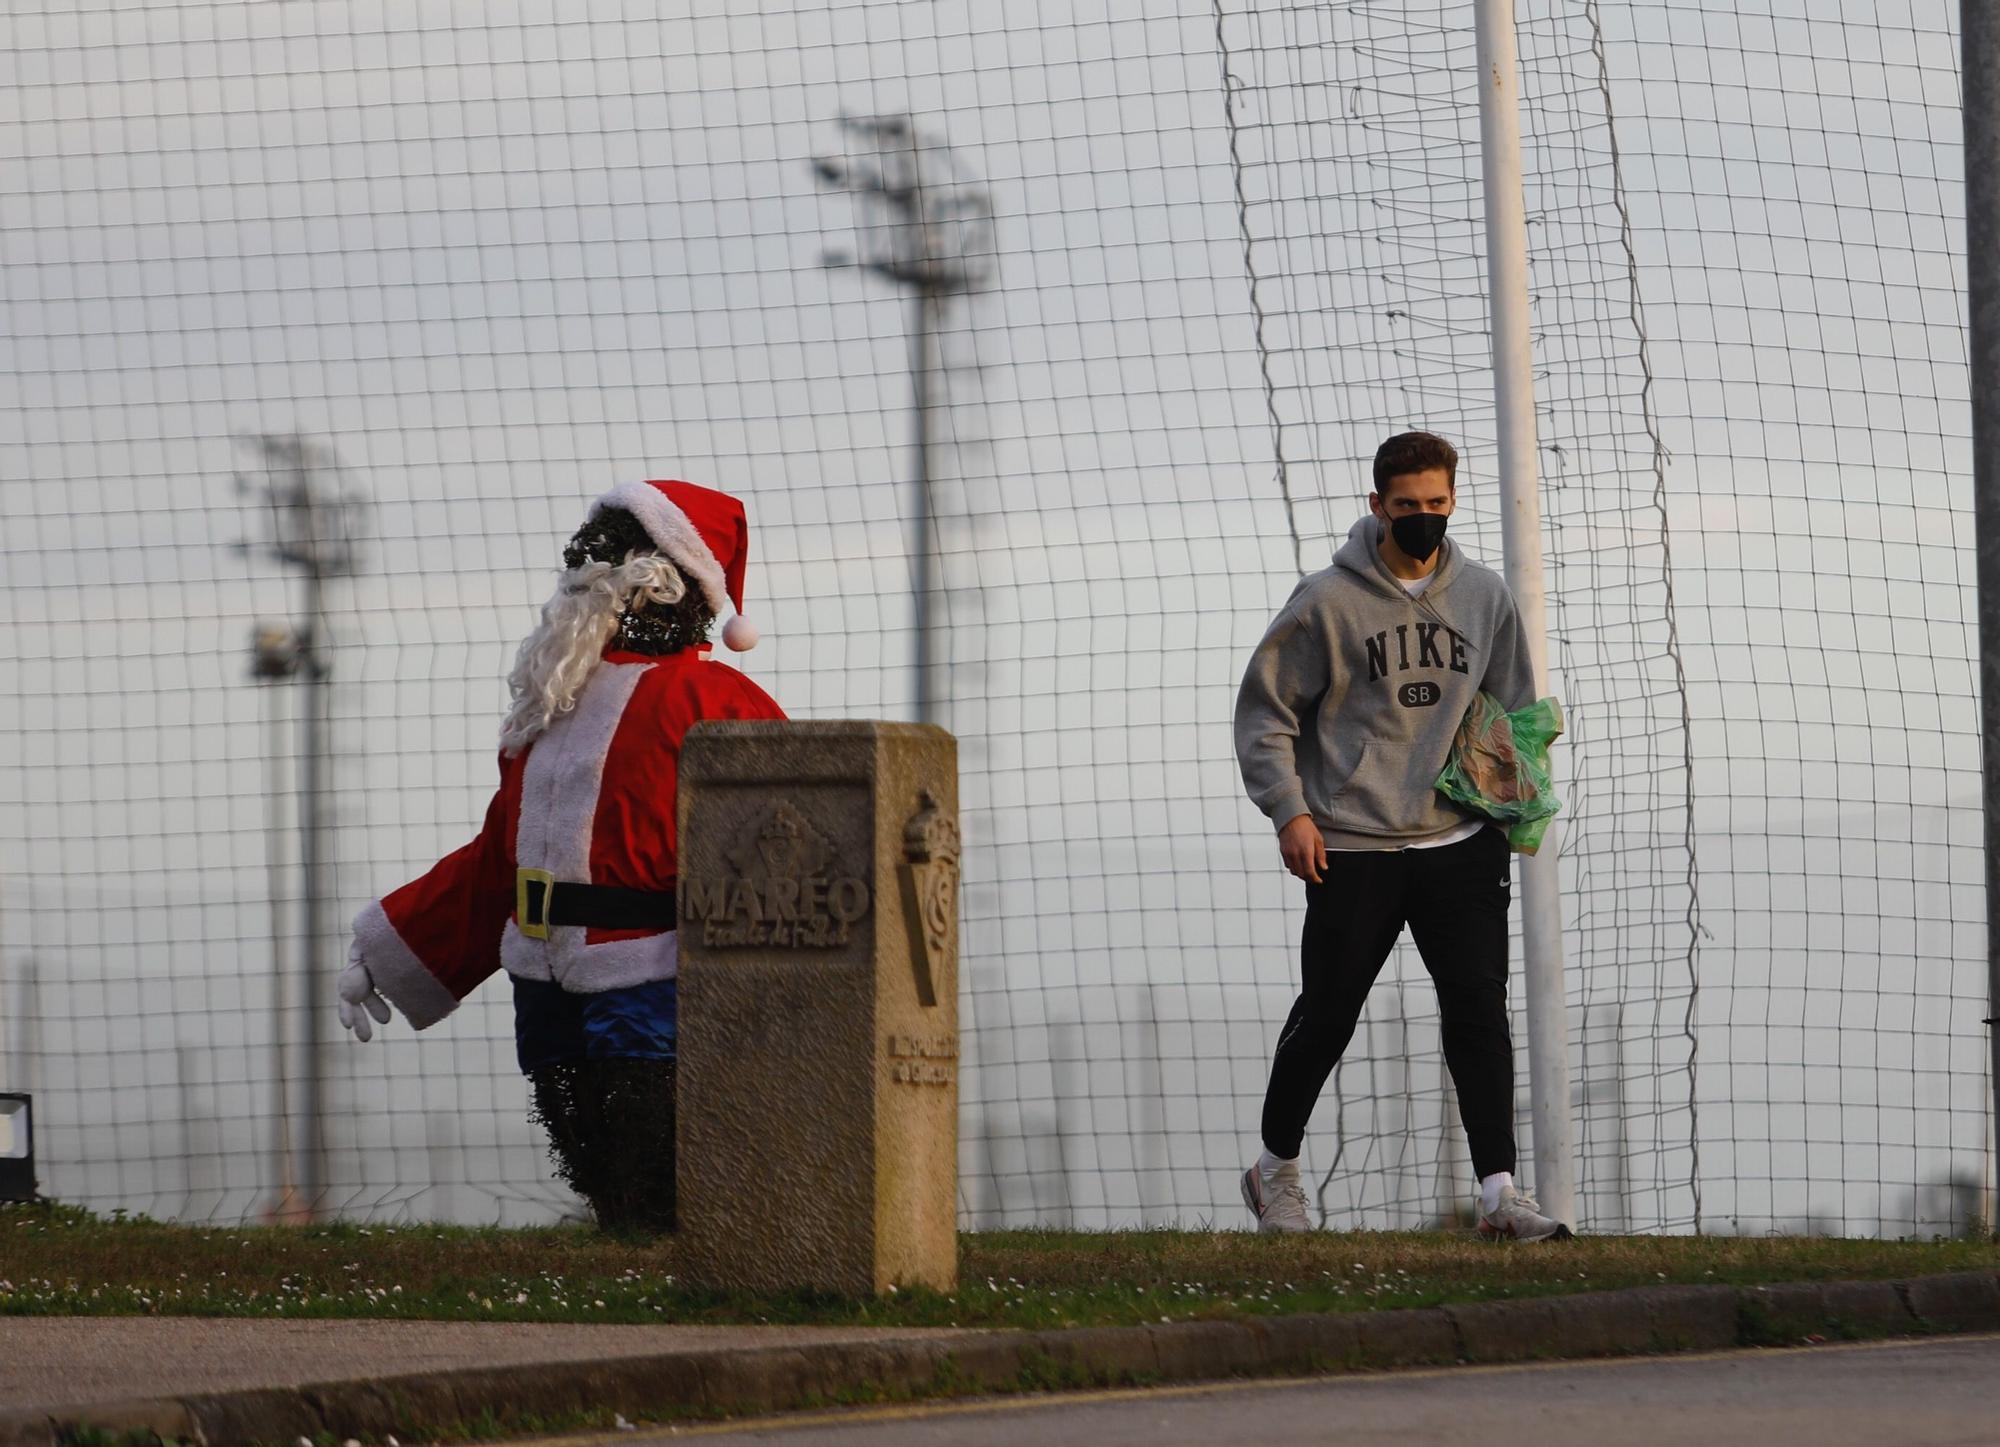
(1521, 537)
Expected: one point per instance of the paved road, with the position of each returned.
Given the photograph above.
(1939, 1393)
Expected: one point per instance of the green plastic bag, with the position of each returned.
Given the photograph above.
(1499, 767)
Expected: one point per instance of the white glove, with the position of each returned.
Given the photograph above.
(359, 998)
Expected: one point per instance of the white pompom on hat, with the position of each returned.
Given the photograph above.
(704, 533)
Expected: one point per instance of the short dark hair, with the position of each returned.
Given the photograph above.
(1409, 452)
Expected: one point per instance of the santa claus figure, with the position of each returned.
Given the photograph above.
(570, 885)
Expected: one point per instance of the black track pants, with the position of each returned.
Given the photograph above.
(1454, 900)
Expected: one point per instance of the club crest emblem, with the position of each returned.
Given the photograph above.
(784, 888)
(931, 849)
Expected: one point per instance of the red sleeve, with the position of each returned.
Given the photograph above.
(429, 944)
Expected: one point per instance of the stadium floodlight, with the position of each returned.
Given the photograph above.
(927, 229)
(274, 651)
(17, 1147)
(313, 517)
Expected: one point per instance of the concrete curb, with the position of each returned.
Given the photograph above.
(750, 1380)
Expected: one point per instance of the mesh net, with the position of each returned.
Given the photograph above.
(489, 260)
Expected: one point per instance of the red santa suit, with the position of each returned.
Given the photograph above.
(590, 801)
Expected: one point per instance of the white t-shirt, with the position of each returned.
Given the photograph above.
(1415, 587)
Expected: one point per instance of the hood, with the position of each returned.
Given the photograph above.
(1361, 555)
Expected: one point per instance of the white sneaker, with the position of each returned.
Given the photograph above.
(1279, 1203)
(1519, 1218)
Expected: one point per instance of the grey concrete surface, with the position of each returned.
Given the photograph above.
(49, 1363)
(1941, 1392)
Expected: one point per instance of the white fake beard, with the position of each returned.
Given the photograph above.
(556, 660)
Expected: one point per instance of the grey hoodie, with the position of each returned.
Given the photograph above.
(1349, 705)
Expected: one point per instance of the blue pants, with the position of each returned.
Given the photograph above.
(553, 1026)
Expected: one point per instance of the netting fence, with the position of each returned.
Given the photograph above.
(490, 260)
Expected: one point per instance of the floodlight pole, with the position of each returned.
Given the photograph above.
(1521, 538)
(312, 855)
(275, 665)
(1979, 38)
(924, 306)
(926, 222)
(312, 531)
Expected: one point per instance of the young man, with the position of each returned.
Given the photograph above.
(1343, 724)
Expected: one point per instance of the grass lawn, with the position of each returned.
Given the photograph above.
(55, 1260)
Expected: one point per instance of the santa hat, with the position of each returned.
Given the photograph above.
(702, 532)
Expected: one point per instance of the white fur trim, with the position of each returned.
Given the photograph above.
(589, 969)
(678, 538)
(525, 958)
(564, 772)
(397, 972)
(559, 792)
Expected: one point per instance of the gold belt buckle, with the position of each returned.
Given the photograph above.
(531, 904)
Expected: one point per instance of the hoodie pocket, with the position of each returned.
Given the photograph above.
(1374, 798)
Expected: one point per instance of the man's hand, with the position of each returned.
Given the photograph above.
(358, 997)
(1303, 849)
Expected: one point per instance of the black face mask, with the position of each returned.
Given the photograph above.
(1419, 534)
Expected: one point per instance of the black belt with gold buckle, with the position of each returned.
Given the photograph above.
(540, 902)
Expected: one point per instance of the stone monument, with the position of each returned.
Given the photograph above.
(818, 1099)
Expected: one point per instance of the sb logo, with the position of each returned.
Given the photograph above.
(1419, 695)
